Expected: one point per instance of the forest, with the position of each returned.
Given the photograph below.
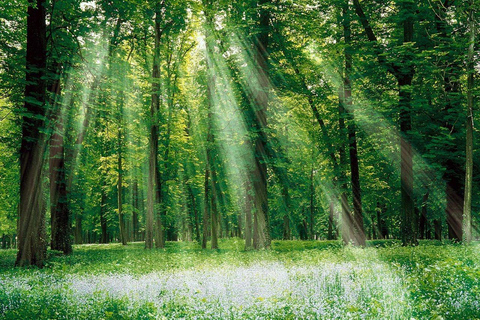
(314, 140)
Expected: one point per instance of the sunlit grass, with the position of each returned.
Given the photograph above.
(294, 280)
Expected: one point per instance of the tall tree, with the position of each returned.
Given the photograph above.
(121, 215)
(261, 227)
(31, 224)
(211, 174)
(454, 174)
(153, 170)
(467, 206)
(403, 69)
(59, 211)
(359, 232)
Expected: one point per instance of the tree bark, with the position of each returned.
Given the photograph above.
(153, 171)
(359, 232)
(121, 218)
(103, 211)
(348, 224)
(59, 211)
(331, 214)
(214, 211)
(422, 225)
(261, 229)
(195, 213)
(210, 143)
(467, 201)
(31, 225)
(136, 210)
(248, 215)
(312, 205)
(404, 79)
(206, 208)
(454, 175)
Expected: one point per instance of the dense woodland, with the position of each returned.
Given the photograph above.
(194, 120)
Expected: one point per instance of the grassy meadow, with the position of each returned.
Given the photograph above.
(294, 280)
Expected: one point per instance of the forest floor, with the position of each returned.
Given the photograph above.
(294, 280)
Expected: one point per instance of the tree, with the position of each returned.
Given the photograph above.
(153, 170)
(403, 70)
(260, 93)
(467, 206)
(31, 224)
(352, 139)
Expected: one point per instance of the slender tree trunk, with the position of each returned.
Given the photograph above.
(195, 213)
(153, 171)
(206, 207)
(136, 210)
(31, 223)
(348, 223)
(121, 218)
(59, 211)
(286, 219)
(406, 175)
(160, 195)
(422, 226)
(467, 204)
(210, 145)
(214, 211)
(454, 175)
(239, 224)
(78, 227)
(261, 228)
(380, 223)
(331, 214)
(404, 78)
(312, 205)
(248, 215)
(359, 232)
(103, 211)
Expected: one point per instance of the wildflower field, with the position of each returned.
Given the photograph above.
(293, 280)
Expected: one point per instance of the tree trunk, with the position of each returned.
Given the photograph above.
(467, 201)
(312, 205)
(347, 224)
(210, 145)
(121, 218)
(78, 228)
(382, 224)
(454, 175)
(153, 171)
(103, 219)
(422, 225)
(404, 79)
(248, 215)
(136, 210)
(192, 209)
(31, 225)
(59, 211)
(331, 214)
(239, 224)
(359, 232)
(261, 228)
(214, 211)
(286, 219)
(206, 208)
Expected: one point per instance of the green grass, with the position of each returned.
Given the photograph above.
(294, 280)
